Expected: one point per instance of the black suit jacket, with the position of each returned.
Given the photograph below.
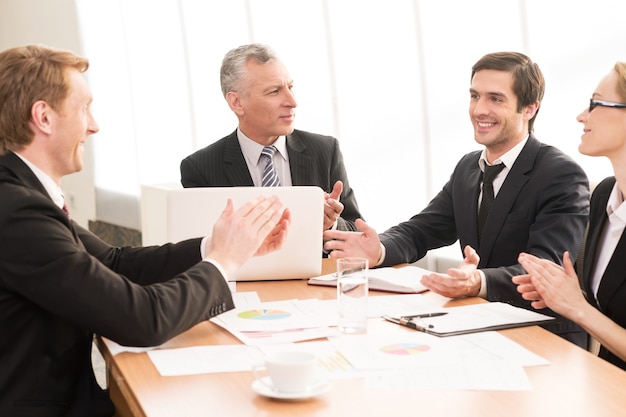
(60, 284)
(541, 208)
(314, 160)
(612, 290)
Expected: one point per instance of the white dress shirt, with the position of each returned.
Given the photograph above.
(252, 153)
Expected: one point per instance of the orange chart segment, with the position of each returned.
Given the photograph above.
(404, 348)
(264, 314)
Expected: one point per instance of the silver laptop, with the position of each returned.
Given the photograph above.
(170, 213)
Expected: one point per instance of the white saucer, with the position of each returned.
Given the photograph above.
(317, 388)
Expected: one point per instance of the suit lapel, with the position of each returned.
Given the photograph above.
(235, 167)
(593, 240)
(614, 275)
(22, 172)
(598, 211)
(25, 175)
(471, 190)
(299, 161)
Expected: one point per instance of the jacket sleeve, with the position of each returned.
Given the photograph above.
(134, 296)
(433, 227)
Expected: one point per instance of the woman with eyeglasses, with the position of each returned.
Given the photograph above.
(600, 308)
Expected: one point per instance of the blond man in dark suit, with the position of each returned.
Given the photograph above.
(59, 283)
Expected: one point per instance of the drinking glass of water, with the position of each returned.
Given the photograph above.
(352, 287)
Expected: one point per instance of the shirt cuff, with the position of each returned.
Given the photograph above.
(482, 293)
(383, 253)
(209, 260)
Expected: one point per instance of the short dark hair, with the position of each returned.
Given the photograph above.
(528, 82)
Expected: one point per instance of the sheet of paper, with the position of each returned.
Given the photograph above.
(495, 375)
(379, 305)
(246, 298)
(276, 336)
(271, 316)
(239, 358)
(406, 279)
(488, 361)
(277, 322)
(505, 349)
(417, 349)
(484, 361)
(401, 350)
(404, 304)
(205, 359)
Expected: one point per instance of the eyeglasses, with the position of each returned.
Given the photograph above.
(595, 103)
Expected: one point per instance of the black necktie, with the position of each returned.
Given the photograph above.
(491, 171)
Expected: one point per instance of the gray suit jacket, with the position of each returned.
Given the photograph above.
(60, 284)
(314, 160)
(542, 208)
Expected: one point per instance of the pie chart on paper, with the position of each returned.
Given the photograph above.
(404, 349)
(264, 314)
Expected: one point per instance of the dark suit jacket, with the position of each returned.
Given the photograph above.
(60, 284)
(541, 208)
(612, 290)
(314, 160)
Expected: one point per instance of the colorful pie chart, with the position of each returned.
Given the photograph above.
(405, 348)
(264, 314)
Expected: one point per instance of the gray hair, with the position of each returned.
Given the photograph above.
(233, 70)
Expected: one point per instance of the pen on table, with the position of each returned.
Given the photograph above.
(404, 322)
(425, 315)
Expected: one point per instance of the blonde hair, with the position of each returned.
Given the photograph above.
(620, 69)
(29, 74)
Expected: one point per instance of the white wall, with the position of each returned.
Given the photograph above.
(388, 78)
(52, 23)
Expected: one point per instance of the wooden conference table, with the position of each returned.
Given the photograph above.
(576, 383)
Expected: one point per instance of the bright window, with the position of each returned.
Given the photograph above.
(389, 79)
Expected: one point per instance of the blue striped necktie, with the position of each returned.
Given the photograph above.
(270, 179)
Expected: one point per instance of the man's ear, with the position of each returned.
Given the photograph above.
(40, 114)
(234, 102)
(531, 110)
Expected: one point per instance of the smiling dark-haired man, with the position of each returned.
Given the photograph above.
(515, 195)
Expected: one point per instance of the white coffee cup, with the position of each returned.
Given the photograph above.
(289, 371)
